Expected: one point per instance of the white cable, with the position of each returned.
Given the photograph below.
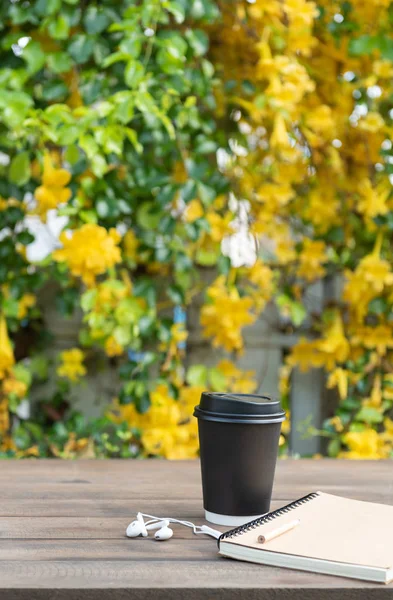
(197, 529)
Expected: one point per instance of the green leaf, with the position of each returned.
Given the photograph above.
(217, 380)
(197, 375)
(386, 47)
(114, 58)
(10, 306)
(122, 334)
(95, 20)
(25, 237)
(334, 447)
(54, 90)
(34, 57)
(133, 73)
(46, 7)
(22, 373)
(133, 138)
(369, 414)
(176, 294)
(298, 313)
(88, 300)
(378, 306)
(59, 28)
(362, 45)
(19, 172)
(198, 41)
(81, 48)
(147, 216)
(59, 62)
(72, 154)
(177, 10)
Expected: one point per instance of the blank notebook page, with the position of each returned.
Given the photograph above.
(332, 528)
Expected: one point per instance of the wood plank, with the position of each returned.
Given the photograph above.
(222, 573)
(186, 508)
(200, 548)
(73, 528)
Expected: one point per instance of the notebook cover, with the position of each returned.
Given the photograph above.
(331, 528)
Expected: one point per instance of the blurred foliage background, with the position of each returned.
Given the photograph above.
(157, 131)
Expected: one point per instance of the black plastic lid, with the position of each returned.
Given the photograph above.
(239, 408)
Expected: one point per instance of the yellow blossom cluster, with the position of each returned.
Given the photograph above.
(71, 364)
(10, 385)
(167, 428)
(54, 190)
(7, 359)
(89, 251)
(224, 316)
(237, 380)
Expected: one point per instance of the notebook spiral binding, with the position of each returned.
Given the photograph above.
(267, 518)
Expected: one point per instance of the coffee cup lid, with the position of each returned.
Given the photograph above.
(239, 408)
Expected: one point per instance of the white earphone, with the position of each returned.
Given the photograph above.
(140, 527)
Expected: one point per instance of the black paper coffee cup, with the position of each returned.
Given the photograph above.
(238, 436)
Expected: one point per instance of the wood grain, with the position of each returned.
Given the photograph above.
(62, 532)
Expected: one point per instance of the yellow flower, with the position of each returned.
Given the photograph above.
(322, 210)
(262, 277)
(365, 445)
(284, 380)
(180, 174)
(311, 259)
(237, 380)
(189, 397)
(227, 368)
(6, 353)
(157, 441)
(167, 427)
(373, 202)
(337, 424)
(53, 191)
(279, 138)
(225, 315)
(305, 354)
(320, 119)
(4, 418)
(13, 386)
(112, 347)
(375, 398)
(383, 69)
(71, 365)
(89, 252)
(285, 251)
(376, 272)
(372, 122)
(131, 244)
(357, 292)
(220, 226)
(339, 378)
(334, 346)
(194, 210)
(379, 337)
(27, 301)
(275, 195)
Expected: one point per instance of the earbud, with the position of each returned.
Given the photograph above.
(165, 533)
(157, 525)
(137, 527)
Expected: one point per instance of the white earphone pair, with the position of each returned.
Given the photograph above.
(140, 527)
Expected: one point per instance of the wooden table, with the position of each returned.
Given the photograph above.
(62, 532)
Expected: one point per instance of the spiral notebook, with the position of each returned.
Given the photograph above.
(335, 536)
